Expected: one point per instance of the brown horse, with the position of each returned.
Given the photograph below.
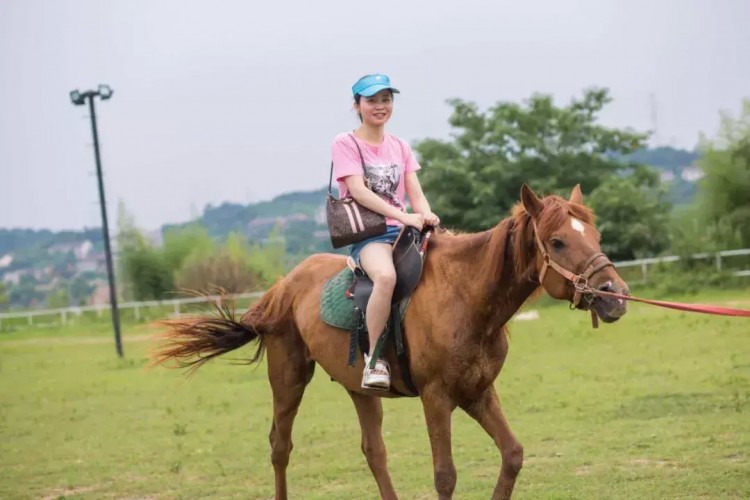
(455, 325)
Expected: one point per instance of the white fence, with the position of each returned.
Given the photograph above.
(717, 257)
(175, 305)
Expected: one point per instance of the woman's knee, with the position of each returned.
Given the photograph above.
(377, 261)
(385, 279)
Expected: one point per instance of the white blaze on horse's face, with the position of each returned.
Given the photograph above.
(577, 225)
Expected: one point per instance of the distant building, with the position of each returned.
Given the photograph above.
(692, 174)
(80, 249)
(100, 295)
(14, 277)
(6, 260)
(666, 176)
(87, 266)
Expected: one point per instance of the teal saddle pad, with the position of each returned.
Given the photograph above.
(336, 309)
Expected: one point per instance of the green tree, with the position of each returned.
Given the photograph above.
(58, 298)
(145, 271)
(268, 259)
(724, 195)
(25, 294)
(473, 180)
(3, 296)
(633, 214)
(180, 243)
(81, 289)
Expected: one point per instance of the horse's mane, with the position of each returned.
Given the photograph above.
(514, 234)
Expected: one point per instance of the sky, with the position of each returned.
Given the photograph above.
(238, 101)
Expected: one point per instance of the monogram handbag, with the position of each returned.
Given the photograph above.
(348, 221)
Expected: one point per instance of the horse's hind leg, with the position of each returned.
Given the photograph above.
(289, 372)
(486, 410)
(370, 413)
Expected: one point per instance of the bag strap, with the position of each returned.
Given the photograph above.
(361, 159)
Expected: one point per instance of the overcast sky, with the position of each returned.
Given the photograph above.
(239, 100)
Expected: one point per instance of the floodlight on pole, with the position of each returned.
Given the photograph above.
(78, 98)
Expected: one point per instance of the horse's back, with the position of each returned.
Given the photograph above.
(311, 274)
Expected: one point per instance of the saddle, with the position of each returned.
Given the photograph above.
(409, 251)
(408, 260)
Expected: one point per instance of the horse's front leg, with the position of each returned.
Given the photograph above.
(437, 411)
(486, 410)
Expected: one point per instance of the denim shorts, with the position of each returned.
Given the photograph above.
(389, 236)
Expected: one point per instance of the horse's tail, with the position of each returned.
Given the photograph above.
(190, 342)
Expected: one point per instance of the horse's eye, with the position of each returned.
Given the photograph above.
(557, 244)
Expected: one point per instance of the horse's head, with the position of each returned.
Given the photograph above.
(568, 251)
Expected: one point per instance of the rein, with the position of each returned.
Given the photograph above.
(586, 293)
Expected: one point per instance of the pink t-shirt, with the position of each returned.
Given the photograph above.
(385, 167)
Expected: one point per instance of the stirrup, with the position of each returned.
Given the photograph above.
(376, 381)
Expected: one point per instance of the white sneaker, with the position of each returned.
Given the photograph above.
(378, 378)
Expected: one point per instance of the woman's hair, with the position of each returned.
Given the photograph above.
(358, 97)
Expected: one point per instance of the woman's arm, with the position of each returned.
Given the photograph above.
(418, 200)
(364, 196)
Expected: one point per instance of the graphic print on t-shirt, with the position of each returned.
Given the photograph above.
(383, 180)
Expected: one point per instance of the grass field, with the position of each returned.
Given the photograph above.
(655, 406)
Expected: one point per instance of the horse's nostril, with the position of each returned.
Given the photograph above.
(606, 287)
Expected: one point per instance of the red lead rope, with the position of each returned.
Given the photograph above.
(700, 308)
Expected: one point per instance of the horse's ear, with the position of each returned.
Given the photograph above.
(576, 196)
(531, 201)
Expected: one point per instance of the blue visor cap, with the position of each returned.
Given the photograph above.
(370, 85)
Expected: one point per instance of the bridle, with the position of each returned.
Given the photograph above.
(584, 295)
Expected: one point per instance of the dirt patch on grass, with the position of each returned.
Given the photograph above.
(66, 492)
(659, 464)
(583, 470)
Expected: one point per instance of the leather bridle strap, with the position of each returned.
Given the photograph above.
(582, 288)
(593, 265)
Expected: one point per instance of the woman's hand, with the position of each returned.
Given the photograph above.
(413, 220)
(431, 219)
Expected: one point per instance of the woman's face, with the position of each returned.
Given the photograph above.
(376, 110)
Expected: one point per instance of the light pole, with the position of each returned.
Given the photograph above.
(79, 99)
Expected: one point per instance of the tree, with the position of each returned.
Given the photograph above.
(3, 296)
(473, 180)
(220, 270)
(180, 243)
(145, 270)
(724, 195)
(58, 299)
(633, 214)
(268, 260)
(81, 289)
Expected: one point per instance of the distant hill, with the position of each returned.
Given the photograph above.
(37, 260)
(300, 215)
(664, 158)
(678, 169)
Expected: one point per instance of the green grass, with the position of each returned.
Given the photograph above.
(655, 406)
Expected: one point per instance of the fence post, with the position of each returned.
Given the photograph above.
(63, 317)
(31, 319)
(137, 313)
(718, 261)
(644, 268)
(176, 308)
